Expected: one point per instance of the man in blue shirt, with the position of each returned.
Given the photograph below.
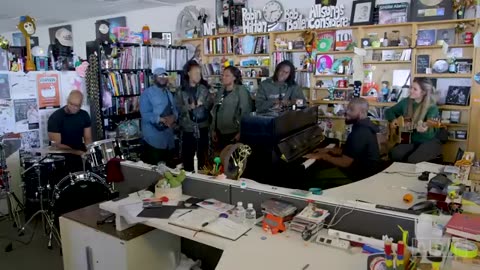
(159, 114)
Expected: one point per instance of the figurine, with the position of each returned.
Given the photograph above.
(385, 91)
(331, 91)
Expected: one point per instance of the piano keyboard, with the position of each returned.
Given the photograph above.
(310, 161)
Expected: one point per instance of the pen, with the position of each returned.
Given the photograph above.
(306, 266)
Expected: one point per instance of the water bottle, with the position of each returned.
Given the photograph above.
(240, 213)
(250, 215)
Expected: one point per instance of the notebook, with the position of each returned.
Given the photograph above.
(202, 220)
(464, 225)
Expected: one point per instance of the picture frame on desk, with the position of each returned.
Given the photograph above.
(362, 12)
(431, 10)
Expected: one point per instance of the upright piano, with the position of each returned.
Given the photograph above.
(279, 140)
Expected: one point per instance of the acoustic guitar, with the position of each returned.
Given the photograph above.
(401, 130)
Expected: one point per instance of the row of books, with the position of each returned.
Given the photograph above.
(211, 69)
(120, 84)
(281, 56)
(220, 45)
(150, 57)
(124, 105)
(260, 45)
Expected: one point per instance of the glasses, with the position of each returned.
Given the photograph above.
(162, 76)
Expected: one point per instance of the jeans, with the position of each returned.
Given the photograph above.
(153, 156)
(415, 153)
(192, 145)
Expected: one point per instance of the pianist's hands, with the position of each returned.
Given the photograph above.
(317, 156)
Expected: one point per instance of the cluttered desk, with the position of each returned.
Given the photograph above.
(346, 232)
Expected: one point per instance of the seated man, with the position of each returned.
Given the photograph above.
(359, 157)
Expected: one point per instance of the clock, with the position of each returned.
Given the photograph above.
(272, 11)
(102, 30)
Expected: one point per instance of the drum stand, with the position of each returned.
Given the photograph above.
(47, 220)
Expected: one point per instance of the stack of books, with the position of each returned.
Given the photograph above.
(309, 215)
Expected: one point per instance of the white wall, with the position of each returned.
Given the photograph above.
(164, 19)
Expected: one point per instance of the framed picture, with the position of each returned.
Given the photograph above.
(324, 63)
(458, 95)
(426, 37)
(362, 12)
(431, 10)
(393, 13)
(447, 35)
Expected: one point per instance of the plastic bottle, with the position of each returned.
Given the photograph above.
(239, 213)
(250, 215)
(385, 40)
(146, 34)
(195, 163)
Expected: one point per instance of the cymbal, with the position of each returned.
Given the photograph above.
(53, 150)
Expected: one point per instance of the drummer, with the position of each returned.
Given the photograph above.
(69, 128)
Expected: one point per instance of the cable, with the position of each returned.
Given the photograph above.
(337, 210)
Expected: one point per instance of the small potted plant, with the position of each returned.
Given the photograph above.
(170, 186)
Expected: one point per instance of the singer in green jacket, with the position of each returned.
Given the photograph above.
(280, 90)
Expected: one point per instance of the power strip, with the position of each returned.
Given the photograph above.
(331, 241)
(357, 238)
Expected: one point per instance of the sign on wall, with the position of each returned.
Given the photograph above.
(48, 87)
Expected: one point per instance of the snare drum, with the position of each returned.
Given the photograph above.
(100, 152)
(78, 190)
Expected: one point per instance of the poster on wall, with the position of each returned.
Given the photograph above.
(4, 86)
(23, 85)
(7, 116)
(30, 139)
(26, 114)
(44, 115)
(117, 22)
(71, 81)
(48, 88)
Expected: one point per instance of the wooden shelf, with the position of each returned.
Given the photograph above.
(220, 35)
(385, 25)
(331, 75)
(219, 54)
(123, 70)
(336, 88)
(443, 75)
(454, 108)
(252, 66)
(372, 103)
(385, 62)
(439, 46)
(191, 39)
(253, 34)
(253, 55)
(336, 52)
(292, 51)
(457, 140)
(389, 48)
(447, 21)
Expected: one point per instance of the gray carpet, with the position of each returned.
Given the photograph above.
(35, 255)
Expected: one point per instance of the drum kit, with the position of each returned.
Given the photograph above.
(51, 191)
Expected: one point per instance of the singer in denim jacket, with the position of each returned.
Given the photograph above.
(159, 114)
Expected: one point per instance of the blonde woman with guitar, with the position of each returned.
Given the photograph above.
(418, 111)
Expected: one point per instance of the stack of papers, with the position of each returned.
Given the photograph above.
(309, 215)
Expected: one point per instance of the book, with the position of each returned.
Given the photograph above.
(203, 220)
(466, 226)
(311, 215)
(343, 39)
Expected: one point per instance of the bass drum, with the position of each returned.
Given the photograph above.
(78, 190)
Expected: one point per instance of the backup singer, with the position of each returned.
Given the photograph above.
(231, 103)
(194, 104)
(69, 128)
(280, 90)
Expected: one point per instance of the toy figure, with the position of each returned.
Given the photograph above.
(385, 91)
(27, 27)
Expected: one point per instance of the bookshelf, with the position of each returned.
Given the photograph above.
(382, 69)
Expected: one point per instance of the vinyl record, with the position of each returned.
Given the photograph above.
(324, 45)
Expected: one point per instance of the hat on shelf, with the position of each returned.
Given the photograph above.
(64, 36)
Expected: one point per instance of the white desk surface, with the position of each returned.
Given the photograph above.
(383, 188)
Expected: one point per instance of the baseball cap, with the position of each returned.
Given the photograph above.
(64, 36)
(160, 71)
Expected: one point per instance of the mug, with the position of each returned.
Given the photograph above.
(468, 38)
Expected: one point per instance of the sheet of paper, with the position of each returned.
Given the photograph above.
(30, 139)
(195, 219)
(4, 86)
(7, 116)
(44, 115)
(23, 86)
(26, 114)
(215, 205)
(226, 228)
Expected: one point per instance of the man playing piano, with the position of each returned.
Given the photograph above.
(357, 160)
